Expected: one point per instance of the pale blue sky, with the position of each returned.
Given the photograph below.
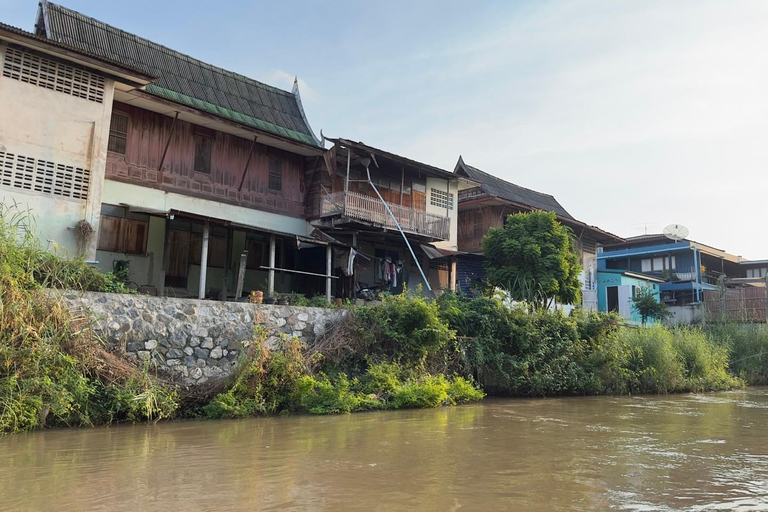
(629, 112)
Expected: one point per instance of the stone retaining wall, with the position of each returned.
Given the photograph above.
(194, 340)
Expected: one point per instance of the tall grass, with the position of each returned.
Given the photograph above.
(52, 370)
(664, 360)
(747, 346)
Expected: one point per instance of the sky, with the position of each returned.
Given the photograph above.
(633, 114)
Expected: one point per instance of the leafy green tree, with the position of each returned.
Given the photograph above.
(645, 304)
(533, 259)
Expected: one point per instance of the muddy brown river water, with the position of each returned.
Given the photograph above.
(686, 452)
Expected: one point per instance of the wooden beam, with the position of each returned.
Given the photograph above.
(247, 163)
(241, 275)
(167, 144)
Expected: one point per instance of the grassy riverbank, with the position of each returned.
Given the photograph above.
(409, 352)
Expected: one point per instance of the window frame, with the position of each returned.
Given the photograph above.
(122, 246)
(114, 134)
(273, 174)
(202, 163)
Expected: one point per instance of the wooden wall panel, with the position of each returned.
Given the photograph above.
(147, 135)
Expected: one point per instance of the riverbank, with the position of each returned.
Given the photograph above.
(409, 352)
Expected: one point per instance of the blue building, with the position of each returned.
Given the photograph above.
(686, 268)
(617, 288)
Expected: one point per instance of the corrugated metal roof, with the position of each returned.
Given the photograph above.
(184, 79)
(496, 187)
(101, 58)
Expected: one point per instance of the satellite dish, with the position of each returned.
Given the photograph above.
(676, 232)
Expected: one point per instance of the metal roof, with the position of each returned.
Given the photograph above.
(496, 187)
(181, 78)
(422, 167)
(117, 66)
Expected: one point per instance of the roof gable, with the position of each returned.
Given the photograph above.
(182, 78)
(496, 187)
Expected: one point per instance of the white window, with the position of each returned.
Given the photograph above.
(658, 264)
(50, 74)
(757, 272)
(440, 198)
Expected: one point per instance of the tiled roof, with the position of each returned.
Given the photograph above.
(496, 187)
(184, 79)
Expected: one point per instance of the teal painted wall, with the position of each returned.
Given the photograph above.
(607, 279)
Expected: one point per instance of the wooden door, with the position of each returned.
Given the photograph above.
(178, 260)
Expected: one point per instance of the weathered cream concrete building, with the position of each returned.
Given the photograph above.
(55, 109)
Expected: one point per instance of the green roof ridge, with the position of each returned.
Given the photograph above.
(230, 114)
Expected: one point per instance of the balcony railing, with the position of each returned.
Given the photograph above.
(687, 274)
(370, 209)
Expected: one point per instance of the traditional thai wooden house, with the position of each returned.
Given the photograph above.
(347, 202)
(204, 183)
(489, 203)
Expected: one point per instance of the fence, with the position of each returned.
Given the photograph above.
(371, 209)
(736, 304)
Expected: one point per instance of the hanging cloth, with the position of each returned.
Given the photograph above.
(350, 270)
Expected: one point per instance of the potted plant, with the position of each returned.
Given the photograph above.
(257, 296)
(282, 301)
(270, 300)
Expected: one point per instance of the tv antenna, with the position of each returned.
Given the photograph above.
(676, 232)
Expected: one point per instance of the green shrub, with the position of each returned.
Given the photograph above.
(405, 327)
(321, 395)
(429, 391)
(461, 391)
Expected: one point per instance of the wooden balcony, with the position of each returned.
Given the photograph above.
(356, 207)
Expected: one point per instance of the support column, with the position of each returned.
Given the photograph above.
(271, 271)
(328, 264)
(166, 258)
(204, 260)
(452, 275)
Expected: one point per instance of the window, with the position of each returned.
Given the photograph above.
(203, 147)
(419, 187)
(477, 227)
(757, 272)
(658, 264)
(49, 74)
(126, 234)
(275, 175)
(118, 132)
(441, 199)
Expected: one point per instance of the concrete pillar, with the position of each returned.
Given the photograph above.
(271, 271)
(204, 259)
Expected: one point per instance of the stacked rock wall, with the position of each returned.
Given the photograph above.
(194, 340)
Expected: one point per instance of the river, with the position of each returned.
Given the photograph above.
(685, 452)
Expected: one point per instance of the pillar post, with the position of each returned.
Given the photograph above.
(204, 259)
(328, 264)
(271, 271)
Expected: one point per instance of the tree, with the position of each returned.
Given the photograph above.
(533, 259)
(645, 304)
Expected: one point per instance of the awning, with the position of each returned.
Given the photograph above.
(434, 253)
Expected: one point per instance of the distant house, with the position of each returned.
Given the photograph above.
(343, 204)
(488, 203)
(617, 288)
(688, 268)
(190, 156)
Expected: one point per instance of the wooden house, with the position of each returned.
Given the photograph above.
(204, 179)
(347, 202)
(488, 204)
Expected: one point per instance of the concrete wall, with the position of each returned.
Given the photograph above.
(193, 340)
(54, 126)
(685, 315)
(453, 188)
